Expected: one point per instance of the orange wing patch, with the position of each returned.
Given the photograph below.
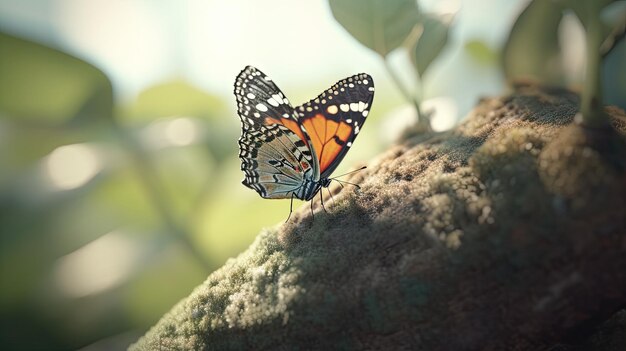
(291, 124)
(328, 138)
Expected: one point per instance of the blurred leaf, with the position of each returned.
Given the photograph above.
(614, 13)
(184, 173)
(23, 144)
(532, 49)
(381, 25)
(175, 98)
(611, 13)
(179, 98)
(41, 84)
(123, 195)
(586, 8)
(481, 52)
(614, 21)
(433, 38)
(614, 76)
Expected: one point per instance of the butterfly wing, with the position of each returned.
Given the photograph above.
(335, 118)
(274, 151)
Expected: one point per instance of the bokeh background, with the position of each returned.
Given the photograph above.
(119, 178)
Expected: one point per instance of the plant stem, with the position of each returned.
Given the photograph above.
(422, 119)
(147, 174)
(592, 108)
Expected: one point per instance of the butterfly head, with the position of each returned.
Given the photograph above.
(325, 182)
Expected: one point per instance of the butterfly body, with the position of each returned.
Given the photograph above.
(289, 152)
(310, 187)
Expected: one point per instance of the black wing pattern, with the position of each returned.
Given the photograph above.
(335, 118)
(274, 150)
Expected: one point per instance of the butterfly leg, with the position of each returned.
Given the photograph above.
(322, 201)
(290, 208)
(331, 195)
(312, 215)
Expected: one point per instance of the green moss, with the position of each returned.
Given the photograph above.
(443, 229)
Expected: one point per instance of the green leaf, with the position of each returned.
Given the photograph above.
(175, 98)
(614, 76)
(586, 9)
(381, 25)
(481, 52)
(614, 13)
(532, 50)
(433, 38)
(181, 98)
(610, 13)
(613, 19)
(41, 84)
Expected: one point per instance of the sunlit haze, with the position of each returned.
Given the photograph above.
(140, 43)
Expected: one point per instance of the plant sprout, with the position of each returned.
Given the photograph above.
(533, 49)
(386, 25)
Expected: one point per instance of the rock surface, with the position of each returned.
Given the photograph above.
(508, 232)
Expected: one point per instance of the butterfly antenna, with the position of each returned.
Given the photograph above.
(341, 182)
(345, 174)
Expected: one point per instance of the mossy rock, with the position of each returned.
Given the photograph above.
(508, 232)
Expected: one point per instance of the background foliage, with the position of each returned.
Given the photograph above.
(119, 194)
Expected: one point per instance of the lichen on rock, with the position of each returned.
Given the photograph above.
(507, 232)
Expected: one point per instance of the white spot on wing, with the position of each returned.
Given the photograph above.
(332, 109)
(250, 96)
(365, 113)
(278, 98)
(344, 107)
(261, 107)
(272, 102)
(354, 106)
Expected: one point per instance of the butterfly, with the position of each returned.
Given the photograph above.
(289, 152)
